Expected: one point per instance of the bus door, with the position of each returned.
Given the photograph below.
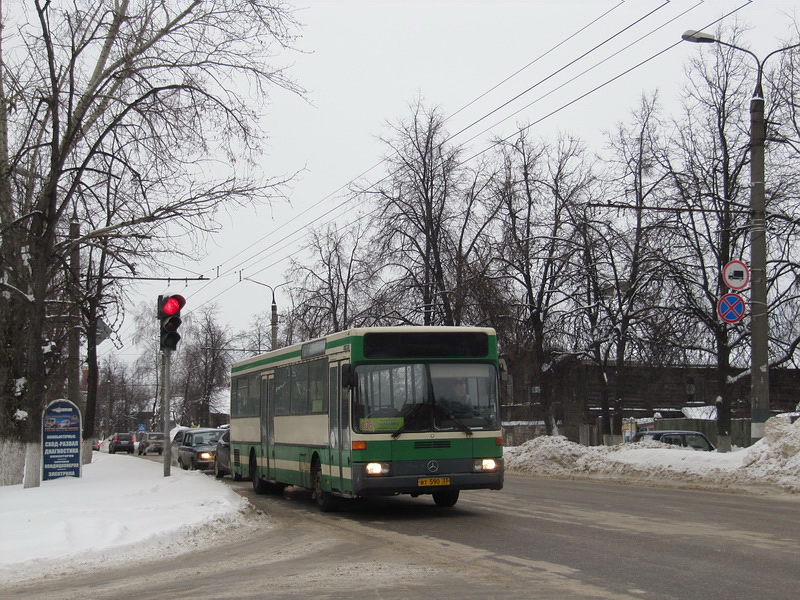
(339, 433)
(267, 424)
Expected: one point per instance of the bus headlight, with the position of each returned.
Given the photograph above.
(376, 468)
(484, 464)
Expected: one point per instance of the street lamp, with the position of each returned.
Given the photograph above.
(759, 320)
(274, 309)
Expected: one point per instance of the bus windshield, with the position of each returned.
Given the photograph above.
(424, 397)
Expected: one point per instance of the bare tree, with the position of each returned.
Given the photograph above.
(432, 215)
(142, 96)
(622, 272)
(339, 289)
(534, 251)
(201, 369)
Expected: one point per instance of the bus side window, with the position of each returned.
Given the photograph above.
(318, 386)
(282, 395)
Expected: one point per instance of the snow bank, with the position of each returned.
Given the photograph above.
(773, 463)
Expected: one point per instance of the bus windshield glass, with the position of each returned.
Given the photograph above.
(425, 397)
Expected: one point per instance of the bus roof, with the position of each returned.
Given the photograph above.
(340, 339)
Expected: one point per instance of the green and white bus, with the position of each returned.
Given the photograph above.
(371, 412)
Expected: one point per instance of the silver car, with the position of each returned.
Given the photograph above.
(693, 440)
(152, 441)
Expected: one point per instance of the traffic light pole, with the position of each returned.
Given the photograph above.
(166, 360)
(169, 318)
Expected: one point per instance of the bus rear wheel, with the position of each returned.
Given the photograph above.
(446, 499)
(259, 485)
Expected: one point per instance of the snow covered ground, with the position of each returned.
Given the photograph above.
(123, 508)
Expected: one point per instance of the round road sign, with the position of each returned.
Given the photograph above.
(736, 275)
(730, 308)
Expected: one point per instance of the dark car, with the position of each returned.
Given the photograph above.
(121, 442)
(694, 440)
(222, 460)
(152, 441)
(196, 448)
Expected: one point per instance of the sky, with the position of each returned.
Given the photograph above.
(575, 66)
(70, 523)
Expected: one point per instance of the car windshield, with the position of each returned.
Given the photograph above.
(210, 437)
(697, 442)
(397, 398)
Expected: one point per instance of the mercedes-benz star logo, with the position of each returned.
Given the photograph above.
(433, 466)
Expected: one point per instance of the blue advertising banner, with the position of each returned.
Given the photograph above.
(61, 440)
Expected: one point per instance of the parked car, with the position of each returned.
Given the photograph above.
(121, 442)
(152, 441)
(196, 448)
(687, 439)
(96, 444)
(222, 459)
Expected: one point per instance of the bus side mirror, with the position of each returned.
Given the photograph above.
(348, 376)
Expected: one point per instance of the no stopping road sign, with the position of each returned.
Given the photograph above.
(730, 308)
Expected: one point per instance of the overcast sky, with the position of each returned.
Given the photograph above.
(574, 66)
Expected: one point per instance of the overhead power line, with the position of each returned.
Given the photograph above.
(304, 226)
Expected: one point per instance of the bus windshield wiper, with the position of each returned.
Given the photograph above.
(408, 418)
(457, 421)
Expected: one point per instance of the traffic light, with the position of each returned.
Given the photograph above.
(169, 315)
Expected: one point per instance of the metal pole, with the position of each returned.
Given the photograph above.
(274, 323)
(166, 360)
(74, 356)
(759, 324)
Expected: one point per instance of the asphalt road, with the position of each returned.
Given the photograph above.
(537, 538)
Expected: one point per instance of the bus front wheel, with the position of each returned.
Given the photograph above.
(446, 499)
(325, 500)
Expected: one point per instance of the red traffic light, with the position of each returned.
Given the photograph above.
(169, 313)
(173, 305)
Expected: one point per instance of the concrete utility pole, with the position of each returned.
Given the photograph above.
(759, 306)
(274, 310)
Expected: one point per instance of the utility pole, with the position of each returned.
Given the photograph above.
(759, 306)
(274, 315)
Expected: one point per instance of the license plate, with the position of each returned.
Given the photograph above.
(428, 481)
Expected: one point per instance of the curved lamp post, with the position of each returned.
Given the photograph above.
(759, 309)
(274, 309)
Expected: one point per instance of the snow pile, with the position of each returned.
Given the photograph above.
(777, 455)
(772, 463)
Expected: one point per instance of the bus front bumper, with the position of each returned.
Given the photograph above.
(422, 483)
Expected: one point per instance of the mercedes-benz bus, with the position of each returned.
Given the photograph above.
(371, 412)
